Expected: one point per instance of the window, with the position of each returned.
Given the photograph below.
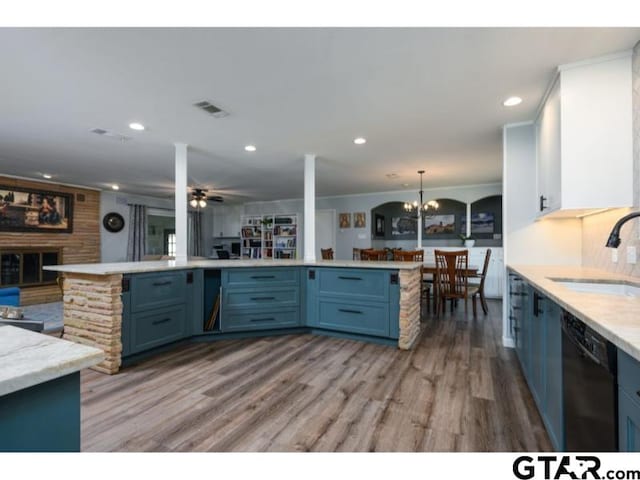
(170, 244)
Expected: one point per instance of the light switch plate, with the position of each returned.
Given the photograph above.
(614, 255)
(631, 255)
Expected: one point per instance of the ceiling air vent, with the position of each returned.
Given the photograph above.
(113, 135)
(211, 109)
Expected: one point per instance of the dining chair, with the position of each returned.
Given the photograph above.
(416, 256)
(451, 276)
(327, 253)
(373, 255)
(477, 289)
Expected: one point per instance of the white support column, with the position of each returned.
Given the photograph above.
(468, 231)
(419, 231)
(181, 201)
(309, 207)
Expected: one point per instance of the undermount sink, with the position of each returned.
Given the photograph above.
(607, 288)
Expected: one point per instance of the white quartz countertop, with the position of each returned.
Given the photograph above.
(28, 358)
(162, 265)
(615, 317)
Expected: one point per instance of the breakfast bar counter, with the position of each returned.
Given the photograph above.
(133, 308)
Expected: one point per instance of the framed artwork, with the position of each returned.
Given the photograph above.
(344, 219)
(480, 223)
(379, 230)
(404, 226)
(34, 210)
(360, 220)
(438, 224)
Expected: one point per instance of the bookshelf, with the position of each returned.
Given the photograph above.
(269, 236)
(285, 236)
(251, 236)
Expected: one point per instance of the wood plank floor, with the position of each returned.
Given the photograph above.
(458, 390)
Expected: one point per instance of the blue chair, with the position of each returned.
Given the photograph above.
(10, 296)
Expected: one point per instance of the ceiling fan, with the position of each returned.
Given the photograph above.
(199, 198)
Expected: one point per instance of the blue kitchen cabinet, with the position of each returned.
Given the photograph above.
(353, 301)
(553, 415)
(538, 337)
(537, 346)
(628, 403)
(159, 308)
(263, 298)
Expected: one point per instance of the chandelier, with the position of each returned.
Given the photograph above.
(417, 208)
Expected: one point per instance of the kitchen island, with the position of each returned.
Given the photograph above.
(135, 308)
(40, 391)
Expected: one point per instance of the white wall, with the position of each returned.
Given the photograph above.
(349, 238)
(114, 245)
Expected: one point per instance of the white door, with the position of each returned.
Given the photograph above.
(325, 231)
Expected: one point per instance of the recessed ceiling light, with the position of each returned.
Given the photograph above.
(360, 141)
(405, 185)
(136, 126)
(46, 175)
(391, 176)
(115, 187)
(512, 101)
(250, 148)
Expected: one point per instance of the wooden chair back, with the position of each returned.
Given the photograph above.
(408, 255)
(373, 255)
(485, 268)
(451, 273)
(327, 253)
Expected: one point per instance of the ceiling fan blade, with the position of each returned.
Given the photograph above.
(215, 198)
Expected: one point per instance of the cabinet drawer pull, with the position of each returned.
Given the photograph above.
(263, 298)
(265, 319)
(346, 310)
(349, 278)
(262, 277)
(158, 322)
(159, 284)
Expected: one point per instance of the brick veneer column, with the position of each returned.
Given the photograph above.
(409, 307)
(93, 315)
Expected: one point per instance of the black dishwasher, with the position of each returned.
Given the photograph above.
(589, 369)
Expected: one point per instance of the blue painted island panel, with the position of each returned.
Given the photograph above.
(42, 418)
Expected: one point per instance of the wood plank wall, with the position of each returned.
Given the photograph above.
(81, 246)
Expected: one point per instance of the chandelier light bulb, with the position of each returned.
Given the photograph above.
(193, 203)
(202, 203)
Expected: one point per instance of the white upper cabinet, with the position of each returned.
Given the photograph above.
(584, 142)
(226, 220)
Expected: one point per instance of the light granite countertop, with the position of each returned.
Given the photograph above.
(28, 358)
(615, 317)
(162, 265)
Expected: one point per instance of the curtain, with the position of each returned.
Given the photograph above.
(137, 232)
(194, 225)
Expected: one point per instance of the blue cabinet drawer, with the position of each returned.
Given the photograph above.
(157, 327)
(156, 290)
(360, 283)
(258, 277)
(363, 318)
(242, 320)
(266, 298)
(629, 374)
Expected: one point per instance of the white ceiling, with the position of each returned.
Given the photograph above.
(424, 98)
